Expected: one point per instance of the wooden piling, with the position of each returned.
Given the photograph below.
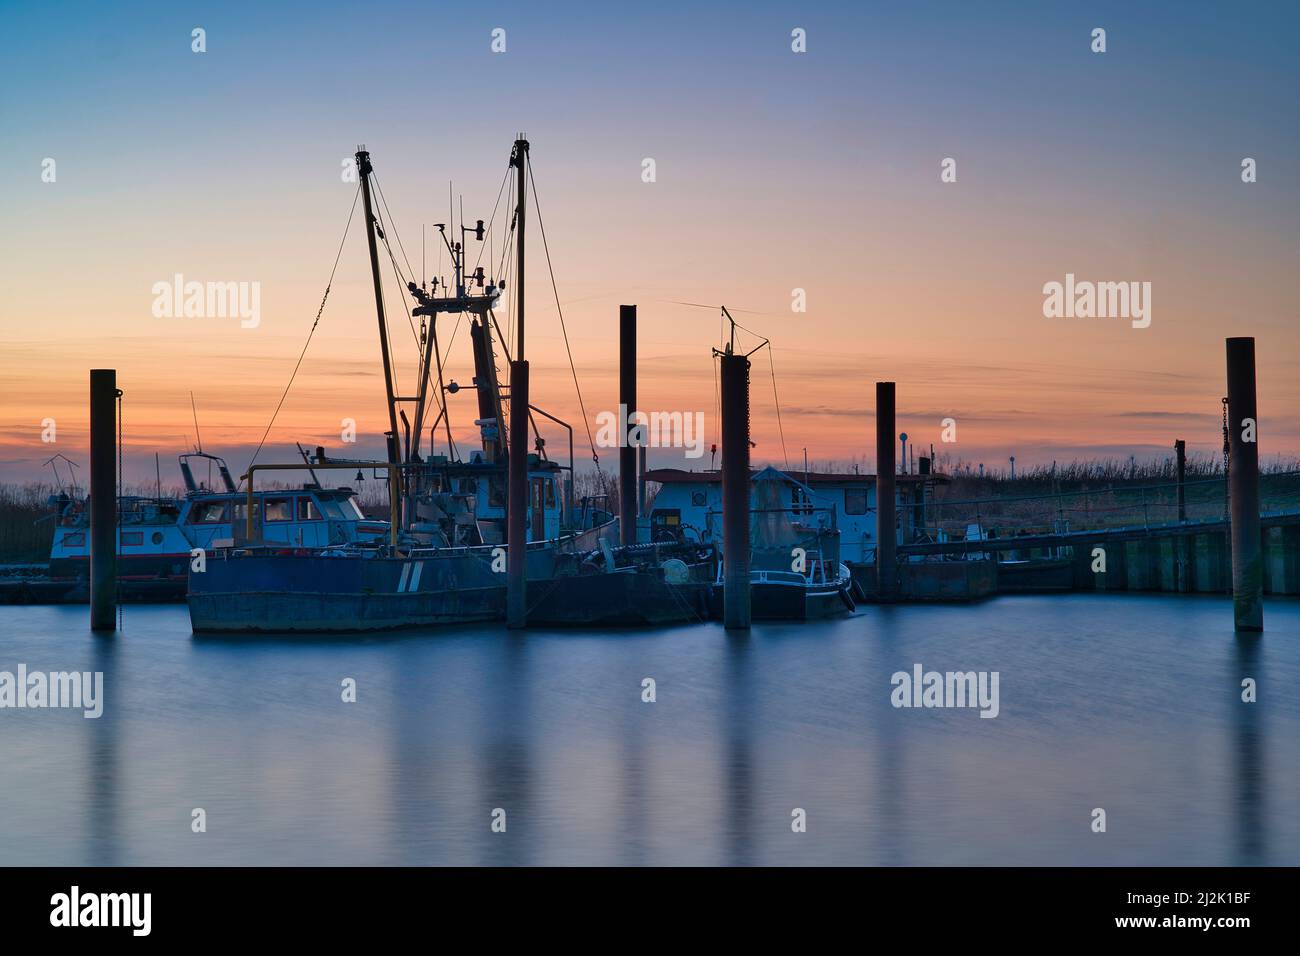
(627, 478)
(735, 491)
(1243, 487)
(886, 520)
(103, 499)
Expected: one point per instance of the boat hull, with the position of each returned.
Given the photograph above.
(616, 600)
(789, 602)
(313, 592)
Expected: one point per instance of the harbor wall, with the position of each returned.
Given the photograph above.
(1184, 564)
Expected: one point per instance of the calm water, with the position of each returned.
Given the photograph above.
(1130, 703)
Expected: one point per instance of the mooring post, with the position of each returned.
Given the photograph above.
(1184, 546)
(103, 500)
(627, 401)
(1243, 487)
(517, 503)
(1180, 451)
(886, 551)
(735, 491)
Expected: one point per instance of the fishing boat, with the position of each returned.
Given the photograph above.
(795, 567)
(157, 535)
(452, 517)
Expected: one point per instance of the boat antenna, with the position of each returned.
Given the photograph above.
(307, 461)
(197, 437)
(72, 478)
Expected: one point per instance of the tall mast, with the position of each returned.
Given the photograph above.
(517, 463)
(364, 169)
(520, 160)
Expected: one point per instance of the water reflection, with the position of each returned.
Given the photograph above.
(414, 773)
(632, 797)
(1248, 754)
(460, 722)
(738, 778)
(104, 843)
(506, 769)
(890, 810)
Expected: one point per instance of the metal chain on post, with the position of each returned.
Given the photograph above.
(1226, 460)
(117, 570)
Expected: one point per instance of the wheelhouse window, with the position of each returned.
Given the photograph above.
(132, 538)
(208, 512)
(278, 509)
(855, 501)
(550, 492)
(340, 509)
(74, 539)
(307, 510)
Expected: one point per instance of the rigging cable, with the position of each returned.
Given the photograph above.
(314, 324)
(402, 280)
(391, 223)
(779, 428)
(555, 290)
(768, 343)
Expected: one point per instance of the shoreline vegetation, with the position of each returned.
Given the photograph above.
(1090, 493)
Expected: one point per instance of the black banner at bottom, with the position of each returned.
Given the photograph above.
(337, 905)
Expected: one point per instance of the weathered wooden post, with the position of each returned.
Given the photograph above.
(1243, 487)
(103, 500)
(1180, 451)
(1184, 545)
(886, 520)
(627, 481)
(735, 491)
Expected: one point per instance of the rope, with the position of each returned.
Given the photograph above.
(315, 323)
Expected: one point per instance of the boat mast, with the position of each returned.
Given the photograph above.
(517, 501)
(364, 169)
(520, 159)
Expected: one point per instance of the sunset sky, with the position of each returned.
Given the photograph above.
(775, 170)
